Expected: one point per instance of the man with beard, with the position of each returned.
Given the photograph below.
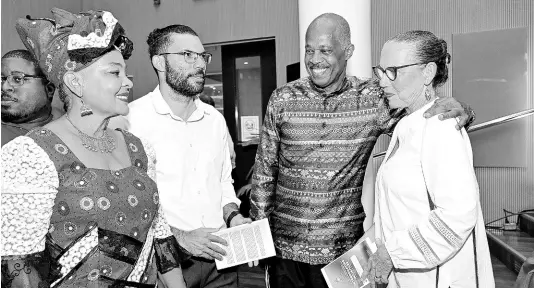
(26, 95)
(193, 159)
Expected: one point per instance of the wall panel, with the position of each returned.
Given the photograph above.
(509, 188)
(14, 9)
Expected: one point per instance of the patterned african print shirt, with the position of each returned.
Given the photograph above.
(310, 166)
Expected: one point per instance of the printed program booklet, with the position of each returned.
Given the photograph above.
(246, 243)
(346, 270)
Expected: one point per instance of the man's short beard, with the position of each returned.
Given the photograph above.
(24, 116)
(179, 82)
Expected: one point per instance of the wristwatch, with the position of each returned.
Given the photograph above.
(230, 217)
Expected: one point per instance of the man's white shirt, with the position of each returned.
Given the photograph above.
(193, 160)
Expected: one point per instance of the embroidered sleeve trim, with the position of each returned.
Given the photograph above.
(422, 245)
(263, 177)
(445, 231)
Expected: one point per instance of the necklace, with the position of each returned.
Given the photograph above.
(104, 143)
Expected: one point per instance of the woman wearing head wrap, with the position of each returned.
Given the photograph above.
(79, 201)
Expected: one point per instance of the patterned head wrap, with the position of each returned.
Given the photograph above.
(71, 42)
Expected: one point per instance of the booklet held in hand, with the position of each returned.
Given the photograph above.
(246, 243)
(346, 270)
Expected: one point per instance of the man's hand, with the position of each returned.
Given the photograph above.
(244, 191)
(240, 220)
(201, 243)
(449, 107)
(379, 266)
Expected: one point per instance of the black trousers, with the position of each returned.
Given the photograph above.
(285, 273)
(202, 273)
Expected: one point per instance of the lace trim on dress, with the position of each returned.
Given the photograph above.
(151, 155)
(29, 188)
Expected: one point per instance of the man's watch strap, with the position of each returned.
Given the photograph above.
(230, 217)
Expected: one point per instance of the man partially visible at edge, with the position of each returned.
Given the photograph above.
(26, 95)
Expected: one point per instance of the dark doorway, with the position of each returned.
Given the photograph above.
(293, 72)
(249, 78)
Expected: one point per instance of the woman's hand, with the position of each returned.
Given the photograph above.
(379, 266)
(172, 279)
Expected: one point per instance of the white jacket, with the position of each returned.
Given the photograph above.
(432, 156)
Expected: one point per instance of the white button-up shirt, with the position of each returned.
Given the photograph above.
(193, 160)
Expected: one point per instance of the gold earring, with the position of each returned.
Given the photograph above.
(84, 109)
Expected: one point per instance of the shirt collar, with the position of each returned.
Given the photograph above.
(344, 87)
(162, 107)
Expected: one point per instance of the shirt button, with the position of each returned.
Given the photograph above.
(198, 192)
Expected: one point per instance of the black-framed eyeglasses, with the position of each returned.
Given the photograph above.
(391, 72)
(17, 79)
(192, 57)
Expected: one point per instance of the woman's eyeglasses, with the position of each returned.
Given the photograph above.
(391, 72)
(192, 57)
(17, 79)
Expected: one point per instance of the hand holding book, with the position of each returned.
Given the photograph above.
(347, 270)
(247, 243)
(379, 266)
(240, 220)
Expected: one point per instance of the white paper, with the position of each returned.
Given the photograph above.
(250, 127)
(246, 243)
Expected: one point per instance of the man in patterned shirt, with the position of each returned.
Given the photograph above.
(317, 137)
